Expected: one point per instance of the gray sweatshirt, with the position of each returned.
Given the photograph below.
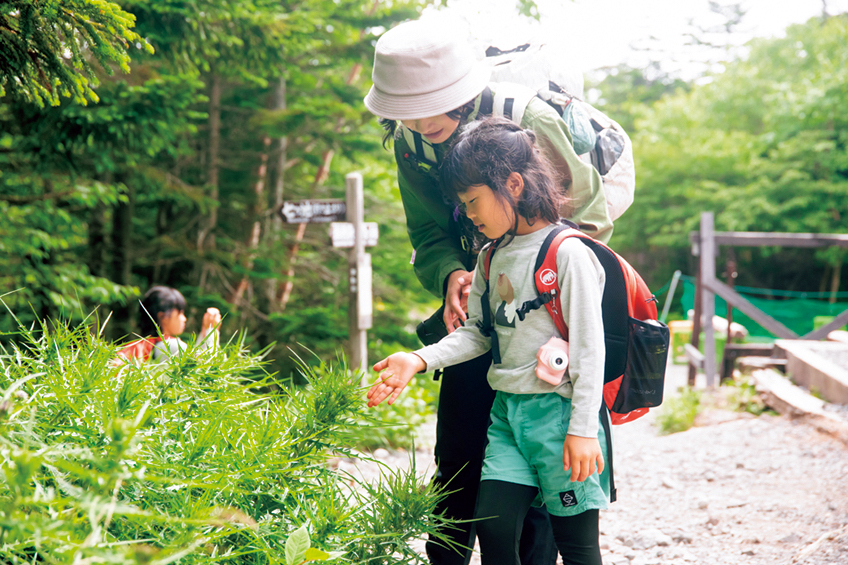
(581, 280)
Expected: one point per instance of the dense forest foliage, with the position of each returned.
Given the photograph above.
(763, 145)
(171, 173)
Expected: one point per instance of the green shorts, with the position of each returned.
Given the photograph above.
(525, 448)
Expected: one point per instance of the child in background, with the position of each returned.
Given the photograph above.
(539, 431)
(162, 319)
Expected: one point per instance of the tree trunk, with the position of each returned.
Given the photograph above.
(212, 165)
(97, 240)
(274, 223)
(122, 324)
(258, 212)
(287, 289)
(320, 177)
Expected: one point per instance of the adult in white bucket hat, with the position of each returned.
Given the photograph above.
(427, 77)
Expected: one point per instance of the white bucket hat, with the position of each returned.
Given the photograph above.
(424, 69)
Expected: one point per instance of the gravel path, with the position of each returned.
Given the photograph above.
(734, 490)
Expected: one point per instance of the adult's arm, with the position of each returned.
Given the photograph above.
(437, 253)
(584, 187)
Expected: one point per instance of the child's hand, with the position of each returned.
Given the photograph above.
(397, 370)
(583, 456)
(211, 319)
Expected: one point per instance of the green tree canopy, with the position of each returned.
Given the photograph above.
(47, 47)
(764, 145)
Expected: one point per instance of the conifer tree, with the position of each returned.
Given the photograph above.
(47, 47)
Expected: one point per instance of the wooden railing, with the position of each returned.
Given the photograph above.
(705, 245)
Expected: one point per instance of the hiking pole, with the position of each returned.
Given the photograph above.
(670, 295)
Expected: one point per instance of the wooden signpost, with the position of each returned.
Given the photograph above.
(355, 234)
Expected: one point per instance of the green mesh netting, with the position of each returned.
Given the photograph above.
(795, 310)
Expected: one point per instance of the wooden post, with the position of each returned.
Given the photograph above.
(695, 338)
(730, 275)
(359, 276)
(708, 258)
(727, 359)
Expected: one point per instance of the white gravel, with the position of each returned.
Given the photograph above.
(734, 490)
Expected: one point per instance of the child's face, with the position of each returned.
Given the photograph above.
(172, 322)
(436, 129)
(491, 214)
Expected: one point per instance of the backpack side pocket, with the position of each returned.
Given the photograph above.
(644, 372)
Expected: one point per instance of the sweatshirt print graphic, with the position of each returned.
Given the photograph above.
(505, 314)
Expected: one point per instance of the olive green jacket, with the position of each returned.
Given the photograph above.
(439, 241)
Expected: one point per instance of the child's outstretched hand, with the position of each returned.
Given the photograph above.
(396, 371)
(583, 456)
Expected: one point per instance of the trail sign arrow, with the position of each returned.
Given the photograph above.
(313, 211)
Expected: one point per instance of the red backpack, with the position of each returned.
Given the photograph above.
(139, 349)
(636, 343)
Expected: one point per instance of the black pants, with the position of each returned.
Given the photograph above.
(503, 506)
(465, 400)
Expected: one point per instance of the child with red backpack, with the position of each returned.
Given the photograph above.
(546, 444)
(161, 320)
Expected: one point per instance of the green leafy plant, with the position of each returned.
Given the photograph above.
(678, 413)
(741, 395)
(104, 461)
(395, 425)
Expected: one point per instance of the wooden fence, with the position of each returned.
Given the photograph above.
(705, 245)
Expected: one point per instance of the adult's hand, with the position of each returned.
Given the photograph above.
(456, 299)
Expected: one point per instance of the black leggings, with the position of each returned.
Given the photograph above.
(502, 506)
(465, 400)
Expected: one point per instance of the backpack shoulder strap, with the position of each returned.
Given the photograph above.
(487, 260)
(423, 149)
(547, 279)
(511, 100)
(486, 326)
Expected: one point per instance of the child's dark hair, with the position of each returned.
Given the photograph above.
(487, 152)
(159, 299)
(458, 115)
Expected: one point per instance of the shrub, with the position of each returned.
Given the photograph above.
(395, 425)
(187, 461)
(678, 413)
(741, 395)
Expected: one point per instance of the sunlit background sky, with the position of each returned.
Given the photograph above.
(601, 33)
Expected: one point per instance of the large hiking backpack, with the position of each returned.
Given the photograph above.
(636, 343)
(541, 70)
(607, 146)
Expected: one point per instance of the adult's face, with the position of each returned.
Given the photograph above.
(436, 129)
